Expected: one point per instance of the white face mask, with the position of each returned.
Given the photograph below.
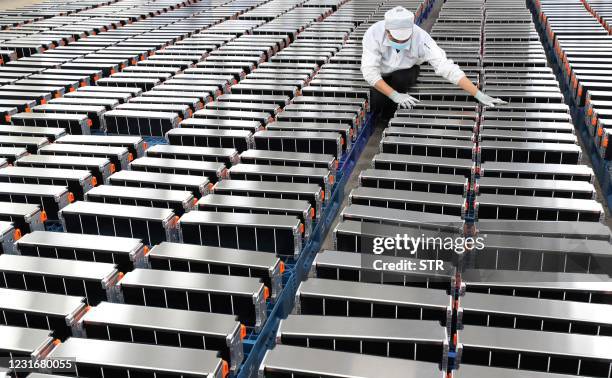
(399, 46)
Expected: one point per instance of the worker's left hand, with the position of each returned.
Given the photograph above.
(487, 100)
(404, 100)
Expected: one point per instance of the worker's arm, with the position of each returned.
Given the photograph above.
(446, 68)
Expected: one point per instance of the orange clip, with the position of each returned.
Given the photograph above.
(243, 331)
(43, 101)
(113, 168)
(145, 250)
(322, 195)
(225, 369)
(145, 145)
(312, 212)
(130, 156)
(604, 142)
(89, 122)
(71, 197)
(599, 132)
(57, 95)
(331, 179)
(302, 228)
(56, 342)
(281, 267)
(43, 216)
(195, 202)
(94, 181)
(594, 121)
(266, 293)
(28, 110)
(7, 118)
(17, 234)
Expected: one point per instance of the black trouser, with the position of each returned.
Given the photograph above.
(401, 81)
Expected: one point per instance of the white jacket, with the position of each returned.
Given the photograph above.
(379, 58)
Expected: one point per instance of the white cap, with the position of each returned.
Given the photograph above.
(399, 22)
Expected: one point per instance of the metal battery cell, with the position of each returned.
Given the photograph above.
(209, 113)
(214, 171)
(51, 133)
(93, 113)
(467, 125)
(319, 116)
(38, 97)
(227, 156)
(278, 234)
(26, 217)
(494, 206)
(286, 360)
(575, 287)
(143, 83)
(119, 156)
(430, 147)
(427, 202)
(535, 188)
(527, 126)
(291, 159)
(571, 172)
(196, 330)
(221, 124)
(347, 133)
(100, 358)
(317, 296)
(164, 98)
(84, 94)
(30, 143)
(404, 131)
(92, 280)
(132, 122)
(423, 164)
(177, 201)
(242, 204)
(24, 343)
(77, 181)
(126, 253)
(529, 152)
(215, 260)
(534, 314)
(245, 108)
(535, 350)
(107, 103)
(240, 140)
(29, 309)
(273, 173)
(78, 124)
(416, 181)
(467, 371)
(198, 185)
(100, 168)
(350, 266)
(406, 218)
(22, 105)
(505, 252)
(135, 144)
(244, 297)
(151, 225)
(397, 338)
(183, 111)
(255, 99)
(330, 143)
(570, 230)
(526, 136)
(312, 193)
(50, 198)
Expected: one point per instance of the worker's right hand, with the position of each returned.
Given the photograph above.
(488, 101)
(404, 100)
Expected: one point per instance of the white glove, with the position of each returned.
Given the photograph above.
(487, 100)
(404, 100)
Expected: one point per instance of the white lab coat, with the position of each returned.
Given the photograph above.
(379, 58)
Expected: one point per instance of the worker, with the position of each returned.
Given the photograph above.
(393, 49)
